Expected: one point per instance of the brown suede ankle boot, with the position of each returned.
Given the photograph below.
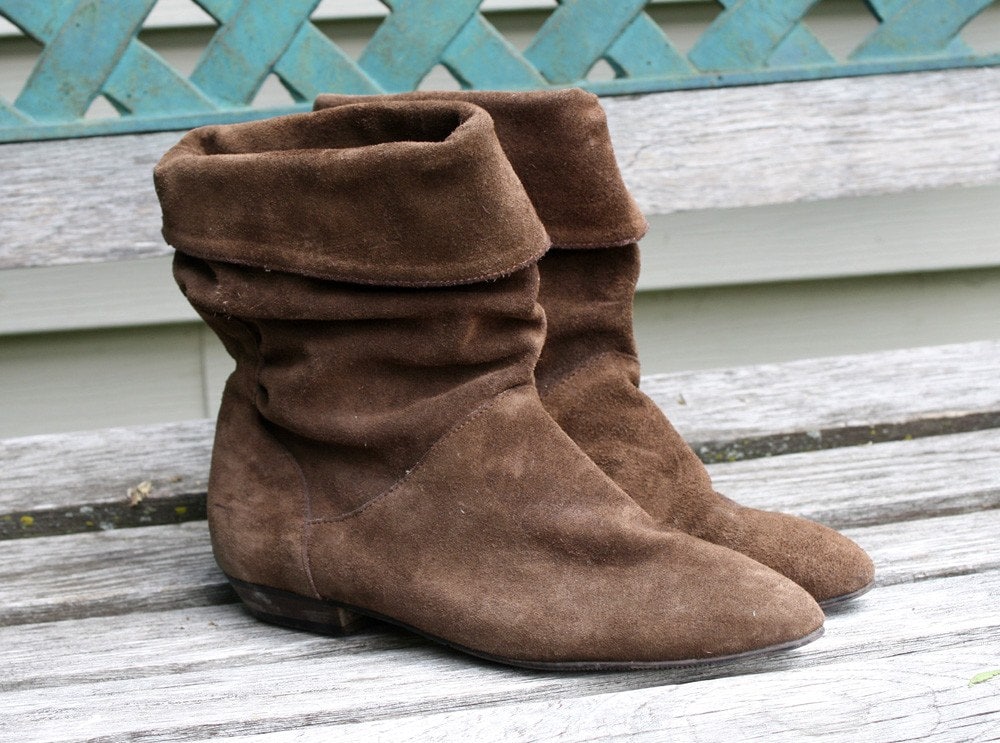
(588, 373)
(381, 449)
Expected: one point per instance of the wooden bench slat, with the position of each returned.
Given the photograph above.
(747, 412)
(113, 572)
(50, 578)
(916, 697)
(882, 483)
(816, 395)
(92, 200)
(190, 673)
(89, 489)
(772, 144)
(940, 547)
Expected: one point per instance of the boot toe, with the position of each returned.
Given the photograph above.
(831, 567)
(749, 609)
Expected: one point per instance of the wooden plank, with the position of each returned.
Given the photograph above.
(826, 139)
(752, 411)
(907, 132)
(827, 393)
(915, 697)
(111, 572)
(48, 578)
(878, 484)
(75, 201)
(912, 551)
(193, 673)
(97, 469)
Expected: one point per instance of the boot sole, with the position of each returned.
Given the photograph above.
(333, 618)
(836, 601)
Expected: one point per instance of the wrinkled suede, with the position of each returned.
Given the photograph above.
(384, 446)
(391, 369)
(559, 146)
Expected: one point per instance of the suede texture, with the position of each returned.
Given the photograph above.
(384, 446)
(224, 191)
(559, 145)
(510, 532)
(391, 369)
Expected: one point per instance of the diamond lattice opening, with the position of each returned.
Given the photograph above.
(18, 55)
(841, 25)
(178, 14)
(440, 78)
(684, 23)
(601, 71)
(349, 34)
(273, 94)
(982, 33)
(101, 108)
(521, 26)
(178, 31)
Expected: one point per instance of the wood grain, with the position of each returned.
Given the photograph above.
(914, 697)
(99, 467)
(189, 674)
(776, 144)
(878, 484)
(102, 573)
(937, 547)
(833, 392)
(85, 201)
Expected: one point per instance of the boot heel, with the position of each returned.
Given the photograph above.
(298, 612)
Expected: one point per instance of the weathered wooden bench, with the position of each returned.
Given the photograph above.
(115, 623)
(133, 634)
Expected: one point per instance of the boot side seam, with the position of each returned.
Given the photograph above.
(476, 413)
(306, 518)
(580, 368)
(306, 533)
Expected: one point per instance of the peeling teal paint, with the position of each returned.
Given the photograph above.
(91, 48)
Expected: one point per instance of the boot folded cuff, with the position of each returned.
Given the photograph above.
(560, 147)
(391, 193)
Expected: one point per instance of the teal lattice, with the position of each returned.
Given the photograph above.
(91, 49)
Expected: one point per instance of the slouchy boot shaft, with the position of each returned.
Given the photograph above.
(355, 379)
(391, 369)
